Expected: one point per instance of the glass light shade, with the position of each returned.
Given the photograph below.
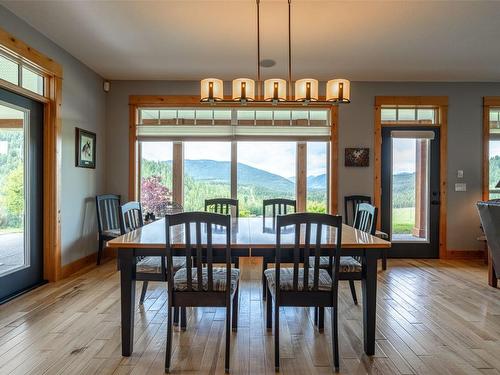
(275, 89)
(338, 91)
(211, 89)
(243, 89)
(306, 90)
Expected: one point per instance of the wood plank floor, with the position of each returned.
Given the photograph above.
(433, 317)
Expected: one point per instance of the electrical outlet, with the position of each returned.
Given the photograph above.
(460, 173)
(460, 186)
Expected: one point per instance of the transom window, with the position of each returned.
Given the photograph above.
(18, 73)
(410, 115)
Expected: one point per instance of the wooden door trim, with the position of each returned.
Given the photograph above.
(53, 73)
(441, 102)
(154, 101)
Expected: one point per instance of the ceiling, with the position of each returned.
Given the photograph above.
(361, 41)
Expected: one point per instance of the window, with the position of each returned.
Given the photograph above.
(494, 153)
(207, 173)
(17, 73)
(259, 145)
(410, 115)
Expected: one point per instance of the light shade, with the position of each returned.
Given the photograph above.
(243, 89)
(306, 90)
(338, 91)
(275, 89)
(212, 89)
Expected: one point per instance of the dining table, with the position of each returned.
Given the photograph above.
(254, 237)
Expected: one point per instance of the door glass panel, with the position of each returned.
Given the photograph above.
(207, 173)
(494, 185)
(265, 170)
(12, 190)
(156, 177)
(410, 189)
(317, 177)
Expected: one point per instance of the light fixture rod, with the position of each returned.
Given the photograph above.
(289, 49)
(259, 83)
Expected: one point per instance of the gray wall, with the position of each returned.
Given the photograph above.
(83, 105)
(356, 129)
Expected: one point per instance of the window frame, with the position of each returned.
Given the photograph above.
(137, 102)
(489, 102)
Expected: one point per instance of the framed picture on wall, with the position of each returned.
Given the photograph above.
(357, 157)
(85, 148)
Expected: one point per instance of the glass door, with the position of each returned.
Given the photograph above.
(21, 140)
(410, 191)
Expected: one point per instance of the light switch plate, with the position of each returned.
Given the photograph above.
(460, 186)
(460, 173)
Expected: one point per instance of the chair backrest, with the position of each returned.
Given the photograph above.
(130, 217)
(350, 203)
(304, 242)
(107, 208)
(222, 206)
(365, 218)
(489, 213)
(207, 222)
(279, 206)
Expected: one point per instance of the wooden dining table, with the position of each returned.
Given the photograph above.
(249, 237)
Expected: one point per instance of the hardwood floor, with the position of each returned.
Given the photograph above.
(434, 317)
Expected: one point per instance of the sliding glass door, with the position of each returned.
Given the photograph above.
(21, 140)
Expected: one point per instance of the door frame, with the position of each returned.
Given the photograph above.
(51, 99)
(440, 102)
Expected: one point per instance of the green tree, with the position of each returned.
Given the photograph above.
(13, 195)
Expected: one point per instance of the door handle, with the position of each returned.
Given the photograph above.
(435, 202)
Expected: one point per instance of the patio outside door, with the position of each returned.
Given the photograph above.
(410, 190)
(21, 142)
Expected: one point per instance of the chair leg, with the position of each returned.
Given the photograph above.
(353, 291)
(228, 336)
(384, 260)
(335, 338)
(143, 292)
(99, 251)
(316, 316)
(176, 316)
(237, 262)
(235, 308)
(264, 281)
(276, 336)
(269, 310)
(321, 319)
(183, 318)
(169, 339)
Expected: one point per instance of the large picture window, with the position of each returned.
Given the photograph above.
(250, 154)
(494, 153)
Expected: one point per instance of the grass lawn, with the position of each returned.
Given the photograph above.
(403, 220)
(10, 230)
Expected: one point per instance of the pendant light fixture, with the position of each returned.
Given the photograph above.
(276, 90)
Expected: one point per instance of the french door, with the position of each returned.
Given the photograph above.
(410, 190)
(21, 146)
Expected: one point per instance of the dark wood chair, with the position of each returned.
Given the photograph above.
(108, 223)
(148, 268)
(280, 206)
(489, 213)
(306, 284)
(350, 203)
(201, 286)
(222, 206)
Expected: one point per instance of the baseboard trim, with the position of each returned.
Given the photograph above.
(82, 263)
(465, 254)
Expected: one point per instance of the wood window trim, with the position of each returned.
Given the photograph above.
(488, 102)
(51, 145)
(155, 101)
(440, 102)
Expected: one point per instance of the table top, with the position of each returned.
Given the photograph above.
(245, 233)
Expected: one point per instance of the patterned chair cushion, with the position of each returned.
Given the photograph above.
(347, 264)
(112, 233)
(153, 264)
(286, 279)
(219, 279)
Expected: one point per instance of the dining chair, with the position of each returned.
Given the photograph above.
(365, 219)
(108, 224)
(148, 268)
(350, 203)
(306, 284)
(222, 206)
(280, 206)
(489, 213)
(201, 286)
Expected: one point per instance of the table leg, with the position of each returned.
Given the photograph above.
(127, 280)
(369, 286)
(492, 276)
